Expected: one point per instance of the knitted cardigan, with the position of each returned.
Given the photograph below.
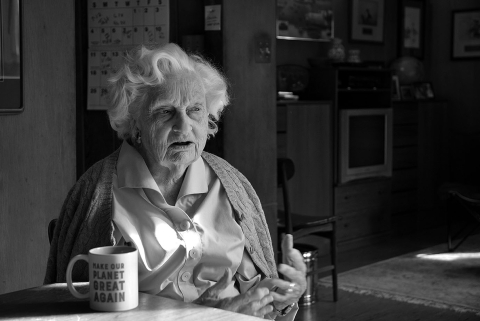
(85, 220)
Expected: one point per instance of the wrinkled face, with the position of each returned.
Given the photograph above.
(174, 122)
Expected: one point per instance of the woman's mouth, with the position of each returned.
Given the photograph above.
(181, 145)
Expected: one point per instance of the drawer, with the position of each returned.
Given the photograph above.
(404, 157)
(362, 223)
(404, 179)
(406, 201)
(404, 223)
(405, 114)
(352, 197)
(405, 135)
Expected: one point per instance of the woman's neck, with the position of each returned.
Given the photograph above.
(169, 179)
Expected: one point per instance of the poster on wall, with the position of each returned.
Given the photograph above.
(411, 28)
(305, 20)
(11, 89)
(114, 27)
(367, 20)
(466, 34)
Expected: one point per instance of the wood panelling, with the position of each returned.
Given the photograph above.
(404, 157)
(403, 179)
(363, 209)
(458, 81)
(308, 143)
(421, 163)
(249, 122)
(37, 147)
(434, 162)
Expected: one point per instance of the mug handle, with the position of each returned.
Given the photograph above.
(70, 286)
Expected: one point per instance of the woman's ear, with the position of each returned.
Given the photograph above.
(212, 126)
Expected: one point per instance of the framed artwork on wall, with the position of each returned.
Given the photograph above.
(367, 20)
(412, 28)
(305, 20)
(395, 88)
(406, 92)
(466, 34)
(423, 90)
(11, 88)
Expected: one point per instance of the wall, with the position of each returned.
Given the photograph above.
(459, 82)
(37, 147)
(250, 121)
(298, 51)
(456, 81)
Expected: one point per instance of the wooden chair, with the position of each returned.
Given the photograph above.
(51, 229)
(469, 198)
(303, 225)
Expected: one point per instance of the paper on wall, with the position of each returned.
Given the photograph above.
(114, 27)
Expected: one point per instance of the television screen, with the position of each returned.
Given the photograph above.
(367, 140)
(365, 149)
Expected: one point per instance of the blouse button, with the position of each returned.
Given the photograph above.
(185, 225)
(194, 254)
(186, 276)
(251, 250)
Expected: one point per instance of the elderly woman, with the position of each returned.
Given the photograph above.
(196, 221)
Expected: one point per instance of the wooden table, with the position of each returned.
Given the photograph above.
(54, 302)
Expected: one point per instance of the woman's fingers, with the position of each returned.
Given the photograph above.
(296, 260)
(256, 302)
(289, 271)
(292, 256)
(273, 283)
(255, 295)
(262, 307)
(293, 275)
(287, 245)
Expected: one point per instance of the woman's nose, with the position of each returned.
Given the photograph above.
(182, 123)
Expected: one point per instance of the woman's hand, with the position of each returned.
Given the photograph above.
(255, 301)
(294, 271)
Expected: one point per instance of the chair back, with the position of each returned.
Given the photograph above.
(51, 229)
(285, 171)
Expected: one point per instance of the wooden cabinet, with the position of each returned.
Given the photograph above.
(371, 208)
(420, 163)
(304, 134)
(362, 206)
(363, 210)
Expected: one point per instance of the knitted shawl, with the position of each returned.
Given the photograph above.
(85, 220)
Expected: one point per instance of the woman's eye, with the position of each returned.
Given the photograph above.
(163, 112)
(194, 109)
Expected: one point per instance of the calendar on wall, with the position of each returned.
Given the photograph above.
(114, 27)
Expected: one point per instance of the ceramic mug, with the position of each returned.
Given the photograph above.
(113, 277)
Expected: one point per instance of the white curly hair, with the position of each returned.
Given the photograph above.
(145, 70)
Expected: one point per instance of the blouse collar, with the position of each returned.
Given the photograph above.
(132, 172)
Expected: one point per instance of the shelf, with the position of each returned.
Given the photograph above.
(363, 90)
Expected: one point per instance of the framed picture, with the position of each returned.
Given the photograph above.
(412, 28)
(11, 86)
(367, 20)
(423, 90)
(305, 20)
(466, 34)
(406, 92)
(395, 88)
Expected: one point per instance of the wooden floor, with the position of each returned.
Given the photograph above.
(358, 307)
